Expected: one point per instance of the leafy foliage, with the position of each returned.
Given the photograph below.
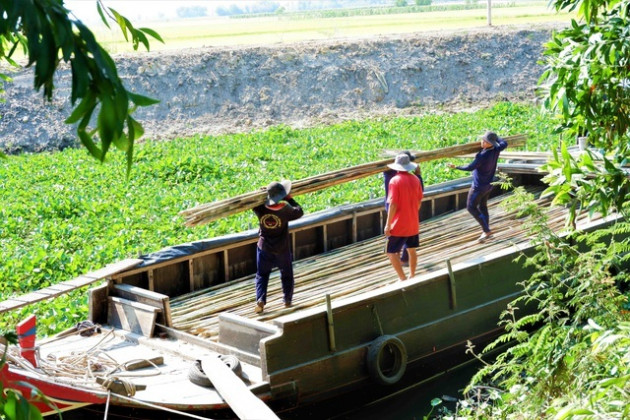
(587, 86)
(47, 33)
(571, 358)
(587, 80)
(575, 338)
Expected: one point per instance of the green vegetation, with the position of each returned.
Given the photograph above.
(46, 34)
(571, 359)
(64, 214)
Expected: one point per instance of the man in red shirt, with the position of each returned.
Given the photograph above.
(403, 216)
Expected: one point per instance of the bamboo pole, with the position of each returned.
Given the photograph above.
(206, 213)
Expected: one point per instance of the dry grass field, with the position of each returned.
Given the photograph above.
(194, 33)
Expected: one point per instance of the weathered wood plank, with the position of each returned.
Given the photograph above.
(131, 316)
(9, 304)
(148, 297)
(242, 401)
(67, 286)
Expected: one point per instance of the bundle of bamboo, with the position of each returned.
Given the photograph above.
(205, 213)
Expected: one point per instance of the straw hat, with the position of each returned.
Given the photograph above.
(403, 163)
(276, 191)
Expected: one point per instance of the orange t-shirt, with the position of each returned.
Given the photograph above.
(405, 190)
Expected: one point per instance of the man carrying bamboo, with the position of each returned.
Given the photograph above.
(274, 247)
(387, 176)
(483, 168)
(403, 215)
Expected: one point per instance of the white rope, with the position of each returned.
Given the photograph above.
(109, 394)
(83, 367)
(79, 366)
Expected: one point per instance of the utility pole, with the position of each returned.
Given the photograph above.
(489, 12)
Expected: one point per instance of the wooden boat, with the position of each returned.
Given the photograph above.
(176, 330)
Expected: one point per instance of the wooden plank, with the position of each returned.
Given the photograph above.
(60, 287)
(131, 316)
(147, 297)
(9, 304)
(241, 400)
(144, 363)
(81, 281)
(206, 213)
(116, 386)
(97, 311)
(114, 268)
(68, 286)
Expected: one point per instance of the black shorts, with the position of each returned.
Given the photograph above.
(395, 243)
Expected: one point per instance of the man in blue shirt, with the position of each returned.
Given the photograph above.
(483, 168)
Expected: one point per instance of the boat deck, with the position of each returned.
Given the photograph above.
(357, 268)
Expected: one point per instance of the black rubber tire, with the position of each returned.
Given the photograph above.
(197, 376)
(386, 360)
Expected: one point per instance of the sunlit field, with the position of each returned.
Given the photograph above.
(194, 33)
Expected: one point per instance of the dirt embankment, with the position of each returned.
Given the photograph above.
(219, 90)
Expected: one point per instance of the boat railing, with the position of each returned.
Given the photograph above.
(196, 265)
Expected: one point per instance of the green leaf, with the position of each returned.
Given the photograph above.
(141, 100)
(88, 142)
(130, 156)
(139, 36)
(88, 103)
(107, 122)
(101, 13)
(152, 33)
(134, 127)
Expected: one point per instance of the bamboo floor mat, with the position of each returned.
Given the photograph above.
(356, 268)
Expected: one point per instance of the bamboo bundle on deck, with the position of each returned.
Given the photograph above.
(205, 213)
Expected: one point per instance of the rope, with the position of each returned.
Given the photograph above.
(109, 394)
(83, 367)
(170, 410)
(111, 385)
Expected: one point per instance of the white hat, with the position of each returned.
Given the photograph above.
(403, 163)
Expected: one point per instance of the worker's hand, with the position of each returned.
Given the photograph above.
(417, 171)
(288, 197)
(450, 165)
(387, 229)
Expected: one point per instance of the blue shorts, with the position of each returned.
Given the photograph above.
(395, 243)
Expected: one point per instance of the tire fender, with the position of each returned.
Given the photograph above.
(386, 360)
(197, 376)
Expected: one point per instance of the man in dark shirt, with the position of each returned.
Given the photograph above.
(483, 168)
(274, 247)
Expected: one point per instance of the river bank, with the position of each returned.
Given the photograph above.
(205, 91)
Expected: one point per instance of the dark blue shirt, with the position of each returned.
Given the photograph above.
(484, 165)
